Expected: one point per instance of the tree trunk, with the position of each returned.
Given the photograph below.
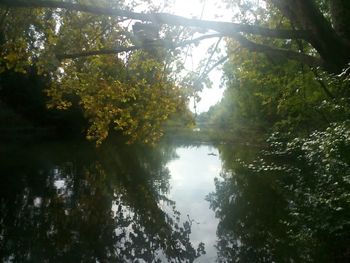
(331, 43)
(340, 15)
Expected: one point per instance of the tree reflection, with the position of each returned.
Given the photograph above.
(73, 203)
(291, 204)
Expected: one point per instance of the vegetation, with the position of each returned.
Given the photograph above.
(266, 93)
(133, 92)
(287, 199)
(93, 66)
(89, 58)
(289, 202)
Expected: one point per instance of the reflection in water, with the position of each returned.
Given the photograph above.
(70, 202)
(73, 203)
(192, 178)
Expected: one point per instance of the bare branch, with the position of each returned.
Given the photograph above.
(198, 39)
(218, 63)
(225, 28)
(208, 70)
(210, 57)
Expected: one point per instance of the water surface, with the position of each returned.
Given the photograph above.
(192, 179)
(71, 202)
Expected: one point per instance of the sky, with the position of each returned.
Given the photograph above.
(208, 9)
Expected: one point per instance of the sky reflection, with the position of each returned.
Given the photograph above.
(192, 179)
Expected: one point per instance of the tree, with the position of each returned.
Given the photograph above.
(325, 30)
(132, 93)
(92, 57)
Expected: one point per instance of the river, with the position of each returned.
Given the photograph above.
(192, 179)
(71, 202)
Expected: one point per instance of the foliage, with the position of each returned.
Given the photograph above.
(130, 92)
(290, 203)
(133, 98)
(278, 85)
(264, 95)
(267, 92)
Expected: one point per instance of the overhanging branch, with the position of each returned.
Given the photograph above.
(96, 52)
(121, 49)
(225, 28)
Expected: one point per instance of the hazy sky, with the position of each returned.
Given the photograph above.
(209, 10)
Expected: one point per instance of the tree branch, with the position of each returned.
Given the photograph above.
(208, 70)
(117, 50)
(225, 28)
(96, 52)
(289, 54)
(217, 63)
(306, 14)
(211, 56)
(323, 85)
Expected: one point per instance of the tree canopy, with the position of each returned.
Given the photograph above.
(320, 24)
(133, 93)
(92, 57)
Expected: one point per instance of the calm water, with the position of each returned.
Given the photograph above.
(70, 202)
(192, 179)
